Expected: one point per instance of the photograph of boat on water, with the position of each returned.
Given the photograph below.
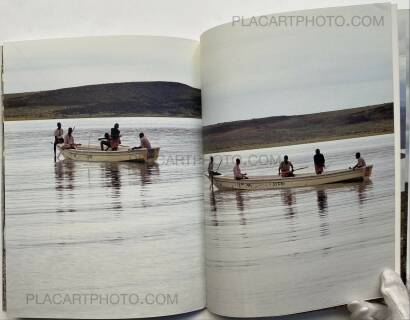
(253, 173)
(403, 28)
(95, 220)
(302, 124)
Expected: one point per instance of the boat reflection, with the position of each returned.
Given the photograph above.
(113, 173)
(289, 202)
(212, 201)
(362, 191)
(216, 197)
(112, 181)
(213, 219)
(146, 171)
(241, 207)
(321, 196)
(64, 178)
(64, 174)
(288, 198)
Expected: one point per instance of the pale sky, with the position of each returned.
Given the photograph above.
(60, 63)
(44, 19)
(252, 72)
(71, 62)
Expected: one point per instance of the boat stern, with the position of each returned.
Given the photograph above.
(153, 154)
(368, 171)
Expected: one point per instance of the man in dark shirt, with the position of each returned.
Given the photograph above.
(319, 161)
(115, 137)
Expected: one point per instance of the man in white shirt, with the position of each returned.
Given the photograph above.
(237, 173)
(144, 143)
(69, 140)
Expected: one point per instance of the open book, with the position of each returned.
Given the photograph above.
(253, 173)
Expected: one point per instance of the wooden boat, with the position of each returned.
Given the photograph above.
(299, 180)
(94, 153)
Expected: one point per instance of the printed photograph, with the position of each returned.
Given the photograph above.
(98, 204)
(403, 28)
(301, 159)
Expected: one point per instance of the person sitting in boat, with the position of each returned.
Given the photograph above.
(106, 141)
(144, 143)
(69, 140)
(238, 175)
(211, 171)
(360, 162)
(319, 161)
(286, 168)
(115, 137)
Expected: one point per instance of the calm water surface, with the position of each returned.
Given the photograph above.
(104, 228)
(288, 251)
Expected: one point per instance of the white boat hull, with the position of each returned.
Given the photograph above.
(94, 154)
(300, 180)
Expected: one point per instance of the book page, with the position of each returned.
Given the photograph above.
(301, 116)
(403, 28)
(106, 222)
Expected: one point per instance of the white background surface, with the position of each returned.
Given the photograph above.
(25, 19)
(42, 19)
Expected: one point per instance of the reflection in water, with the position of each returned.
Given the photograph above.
(146, 171)
(112, 179)
(322, 201)
(362, 189)
(75, 226)
(214, 209)
(239, 201)
(289, 201)
(241, 207)
(64, 173)
(64, 176)
(362, 195)
(323, 215)
(302, 235)
(212, 201)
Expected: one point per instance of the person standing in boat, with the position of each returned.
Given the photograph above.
(211, 171)
(237, 173)
(115, 137)
(319, 161)
(360, 162)
(58, 138)
(69, 140)
(144, 143)
(286, 168)
(211, 165)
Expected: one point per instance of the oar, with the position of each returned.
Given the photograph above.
(219, 165)
(55, 150)
(301, 168)
(212, 176)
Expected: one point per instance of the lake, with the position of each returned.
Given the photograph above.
(78, 228)
(287, 251)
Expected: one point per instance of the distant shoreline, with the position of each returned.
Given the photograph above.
(280, 131)
(126, 99)
(99, 117)
(292, 143)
